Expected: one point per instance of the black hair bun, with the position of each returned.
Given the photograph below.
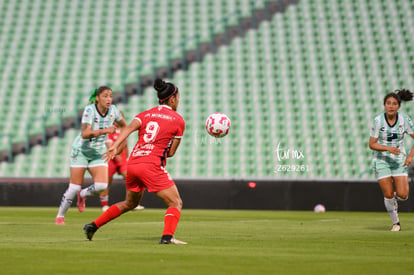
(159, 85)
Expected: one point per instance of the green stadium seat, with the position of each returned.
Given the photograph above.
(295, 80)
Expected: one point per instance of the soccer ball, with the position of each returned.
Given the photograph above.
(218, 125)
(319, 208)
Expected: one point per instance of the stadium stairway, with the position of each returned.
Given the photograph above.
(231, 30)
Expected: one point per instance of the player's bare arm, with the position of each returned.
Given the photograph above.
(173, 148)
(125, 132)
(120, 124)
(87, 132)
(378, 147)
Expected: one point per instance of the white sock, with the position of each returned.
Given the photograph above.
(93, 190)
(392, 208)
(67, 199)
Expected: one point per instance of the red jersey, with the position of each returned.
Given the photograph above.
(112, 138)
(159, 126)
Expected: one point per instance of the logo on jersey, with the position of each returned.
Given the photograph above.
(382, 129)
(87, 112)
(401, 129)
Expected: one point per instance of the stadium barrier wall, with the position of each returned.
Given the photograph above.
(219, 194)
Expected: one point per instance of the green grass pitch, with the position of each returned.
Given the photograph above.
(220, 242)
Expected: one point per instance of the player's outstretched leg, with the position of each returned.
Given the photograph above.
(172, 216)
(90, 230)
(110, 214)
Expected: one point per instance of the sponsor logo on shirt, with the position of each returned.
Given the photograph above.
(401, 129)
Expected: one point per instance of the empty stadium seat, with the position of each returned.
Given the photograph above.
(309, 80)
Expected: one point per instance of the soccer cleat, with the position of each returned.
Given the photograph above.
(171, 241)
(60, 221)
(396, 227)
(81, 203)
(139, 207)
(104, 208)
(175, 241)
(90, 230)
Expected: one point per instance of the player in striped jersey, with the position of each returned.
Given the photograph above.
(87, 150)
(390, 160)
(160, 130)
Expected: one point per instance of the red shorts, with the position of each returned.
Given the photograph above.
(147, 175)
(114, 167)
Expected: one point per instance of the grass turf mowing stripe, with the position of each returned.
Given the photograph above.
(220, 242)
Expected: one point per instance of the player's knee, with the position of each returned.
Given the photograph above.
(130, 204)
(178, 204)
(402, 197)
(100, 186)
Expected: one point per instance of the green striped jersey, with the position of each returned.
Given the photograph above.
(97, 121)
(391, 135)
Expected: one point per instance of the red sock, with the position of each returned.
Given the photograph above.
(171, 218)
(104, 200)
(110, 214)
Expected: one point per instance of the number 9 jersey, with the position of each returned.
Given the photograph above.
(159, 126)
(391, 135)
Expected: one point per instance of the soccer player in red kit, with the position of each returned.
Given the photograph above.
(160, 130)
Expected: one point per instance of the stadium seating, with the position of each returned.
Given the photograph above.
(301, 90)
(55, 53)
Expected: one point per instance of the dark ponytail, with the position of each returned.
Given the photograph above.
(400, 95)
(164, 90)
(404, 94)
